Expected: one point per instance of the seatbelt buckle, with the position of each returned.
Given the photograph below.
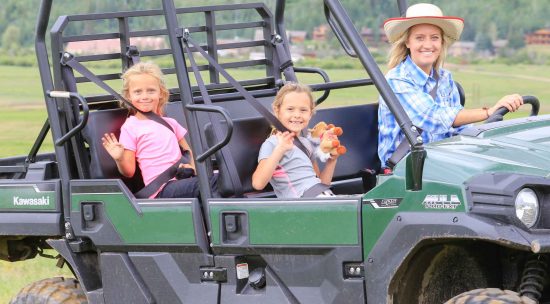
(286, 64)
(66, 57)
(276, 39)
(132, 51)
(185, 35)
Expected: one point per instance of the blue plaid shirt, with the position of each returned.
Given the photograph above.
(412, 87)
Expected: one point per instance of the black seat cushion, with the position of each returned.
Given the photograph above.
(102, 164)
(360, 125)
(243, 148)
(110, 121)
(100, 123)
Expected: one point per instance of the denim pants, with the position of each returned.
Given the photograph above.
(187, 187)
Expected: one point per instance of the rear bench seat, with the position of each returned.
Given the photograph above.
(360, 124)
(244, 147)
(110, 121)
(101, 163)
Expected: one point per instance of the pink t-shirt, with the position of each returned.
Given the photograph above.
(156, 146)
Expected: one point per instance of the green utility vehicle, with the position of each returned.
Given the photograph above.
(461, 217)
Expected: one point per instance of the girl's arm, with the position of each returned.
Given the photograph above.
(185, 146)
(125, 159)
(265, 170)
(266, 166)
(326, 175)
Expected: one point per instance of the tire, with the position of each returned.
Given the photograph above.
(440, 272)
(51, 291)
(490, 295)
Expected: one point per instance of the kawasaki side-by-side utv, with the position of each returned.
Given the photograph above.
(464, 219)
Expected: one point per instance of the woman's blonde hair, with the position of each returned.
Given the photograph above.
(145, 68)
(399, 51)
(291, 87)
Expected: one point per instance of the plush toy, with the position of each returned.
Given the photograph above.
(325, 138)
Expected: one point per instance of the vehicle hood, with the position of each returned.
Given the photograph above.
(520, 146)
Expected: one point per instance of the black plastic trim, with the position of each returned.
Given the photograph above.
(492, 195)
(39, 223)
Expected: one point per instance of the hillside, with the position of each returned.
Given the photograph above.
(498, 19)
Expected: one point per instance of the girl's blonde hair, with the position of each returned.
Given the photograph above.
(291, 87)
(145, 68)
(399, 51)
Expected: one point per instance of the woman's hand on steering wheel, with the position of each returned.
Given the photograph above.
(510, 102)
(498, 114)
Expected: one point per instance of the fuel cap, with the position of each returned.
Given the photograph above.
(257, 278)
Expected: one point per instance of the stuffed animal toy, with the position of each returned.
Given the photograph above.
(325, 137)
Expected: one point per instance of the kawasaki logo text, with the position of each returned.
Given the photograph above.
(41, 201)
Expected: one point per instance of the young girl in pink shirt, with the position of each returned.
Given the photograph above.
(154, 146)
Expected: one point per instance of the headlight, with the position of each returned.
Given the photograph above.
(527, 207)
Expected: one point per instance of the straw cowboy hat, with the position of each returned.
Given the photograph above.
(423, 13)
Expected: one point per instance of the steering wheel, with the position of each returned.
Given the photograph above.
(499, 114)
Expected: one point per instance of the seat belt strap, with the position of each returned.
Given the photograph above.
(230, 166)
(315, 190)
(284, 59)
(404, 147)
(433, 91)
(186, 39)
(69, 60)
(162, 178)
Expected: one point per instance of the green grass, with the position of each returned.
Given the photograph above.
(14, 276)
(485, 84)
(19, 129)
(22, 112)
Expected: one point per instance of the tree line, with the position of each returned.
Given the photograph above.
(488, 19)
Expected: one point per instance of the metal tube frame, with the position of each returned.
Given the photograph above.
(411, 132)
(52, 104)
(186, 94)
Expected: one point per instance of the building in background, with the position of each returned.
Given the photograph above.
(541, 36)
(113, 45)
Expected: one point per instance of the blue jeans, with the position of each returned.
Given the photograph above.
(188, 187)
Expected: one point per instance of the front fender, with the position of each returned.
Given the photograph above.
(408, 231)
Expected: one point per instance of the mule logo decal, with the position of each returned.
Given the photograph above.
(441, 201)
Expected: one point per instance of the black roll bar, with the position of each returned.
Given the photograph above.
(51, 103)
(213, 109)
(322, 73)
(412, 135)
(402, 5)
(338, 33)
(85, 114)
(186, 96)
(344, 22)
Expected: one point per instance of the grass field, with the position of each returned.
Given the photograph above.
(23, 110)
(13, 276)
(23, 114)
